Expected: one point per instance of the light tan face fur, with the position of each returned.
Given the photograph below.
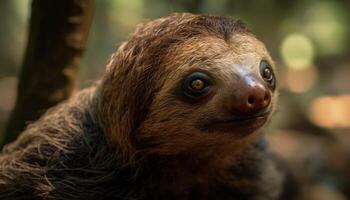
(172, 117)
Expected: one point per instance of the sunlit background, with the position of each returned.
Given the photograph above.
(309, 40)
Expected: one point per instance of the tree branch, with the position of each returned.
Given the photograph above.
(57, 38)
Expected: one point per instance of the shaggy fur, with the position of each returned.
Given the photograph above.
(132, 137)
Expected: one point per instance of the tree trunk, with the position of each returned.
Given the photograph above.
(58, 33)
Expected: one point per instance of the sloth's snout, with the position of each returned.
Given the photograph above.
(250, 97)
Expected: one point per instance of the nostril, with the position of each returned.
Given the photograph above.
(266, 97)
(251, 100)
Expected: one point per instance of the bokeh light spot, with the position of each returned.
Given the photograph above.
(300, 81)
(331, 111)
(326, 23)
(297, 51)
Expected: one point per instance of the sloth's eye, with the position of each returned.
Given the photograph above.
(196, 84)
(267, 74)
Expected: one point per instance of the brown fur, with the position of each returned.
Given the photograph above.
(132, 137)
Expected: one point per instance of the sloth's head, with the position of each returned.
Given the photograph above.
(187, 83)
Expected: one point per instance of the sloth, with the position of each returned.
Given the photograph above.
(178, 114)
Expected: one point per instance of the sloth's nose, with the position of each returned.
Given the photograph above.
(250, 97)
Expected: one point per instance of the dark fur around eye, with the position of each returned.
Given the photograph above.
(192, 94)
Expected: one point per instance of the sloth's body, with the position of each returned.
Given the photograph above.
(176, 116)
(65, 156)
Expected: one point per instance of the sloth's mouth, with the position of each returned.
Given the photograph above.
(245, 118)
(239, 126)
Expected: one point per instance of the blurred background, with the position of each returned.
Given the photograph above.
(309, 40)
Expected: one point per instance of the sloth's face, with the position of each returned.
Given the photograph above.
(215, 92)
